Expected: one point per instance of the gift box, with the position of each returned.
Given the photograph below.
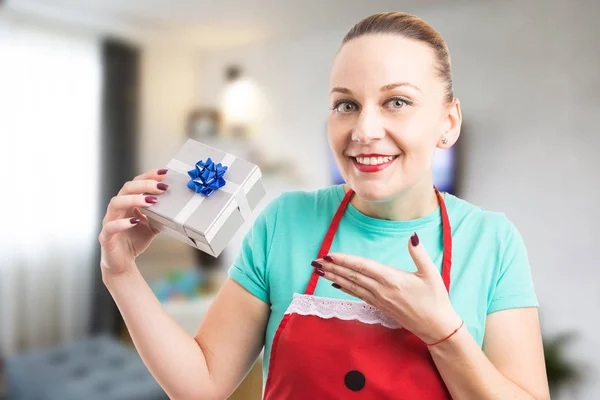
(211, 194)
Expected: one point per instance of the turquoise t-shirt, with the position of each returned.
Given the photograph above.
(490, 267)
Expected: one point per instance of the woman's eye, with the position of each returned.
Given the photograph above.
(344, 107)
(397, 103)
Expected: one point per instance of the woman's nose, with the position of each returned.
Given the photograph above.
(368, 127)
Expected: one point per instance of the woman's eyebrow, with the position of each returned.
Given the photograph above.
(341, 90)
(385, 88)
(398, 84)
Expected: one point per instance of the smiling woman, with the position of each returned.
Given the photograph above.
(379, 288)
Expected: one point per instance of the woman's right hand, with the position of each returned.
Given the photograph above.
(126, 232)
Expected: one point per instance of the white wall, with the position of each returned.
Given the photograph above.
(293, 77)
(527, 74)
(168, 93)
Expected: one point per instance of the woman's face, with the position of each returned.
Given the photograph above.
(388, 114)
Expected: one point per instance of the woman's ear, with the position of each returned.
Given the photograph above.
(451, 125)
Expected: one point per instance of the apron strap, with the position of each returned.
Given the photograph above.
(326, 245)
(447, 238)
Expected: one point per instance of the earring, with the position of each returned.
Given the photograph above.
(444, 140)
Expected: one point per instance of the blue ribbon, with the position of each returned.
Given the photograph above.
(206, 177)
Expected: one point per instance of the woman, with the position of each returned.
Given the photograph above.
(382, 288)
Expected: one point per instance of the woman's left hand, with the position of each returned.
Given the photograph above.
(418, 301)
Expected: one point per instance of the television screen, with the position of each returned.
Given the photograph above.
(444, 176)
(444, 164)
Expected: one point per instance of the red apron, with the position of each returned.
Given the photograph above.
(328, 348)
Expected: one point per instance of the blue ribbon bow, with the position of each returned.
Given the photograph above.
(207, 177)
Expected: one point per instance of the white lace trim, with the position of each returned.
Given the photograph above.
(348, 310)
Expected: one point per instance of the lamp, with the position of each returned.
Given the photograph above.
(239, 104)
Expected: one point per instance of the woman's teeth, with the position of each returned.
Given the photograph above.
(374, 160)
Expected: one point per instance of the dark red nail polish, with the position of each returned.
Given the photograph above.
(162, 186)
(328, 258)
(414, 240)
(335, 285)
(134, 220)
(319, 272)
(151, 199)
(162, 171)
(316, 264)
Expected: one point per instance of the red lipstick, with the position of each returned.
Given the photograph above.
(372, 167)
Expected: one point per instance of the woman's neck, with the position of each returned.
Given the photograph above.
(413, 203)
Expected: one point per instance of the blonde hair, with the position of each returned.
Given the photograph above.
(411, 27)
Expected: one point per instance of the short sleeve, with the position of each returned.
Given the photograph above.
(514, 284)
(250, 266)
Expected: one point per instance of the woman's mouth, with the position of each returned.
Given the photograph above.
(372, 162)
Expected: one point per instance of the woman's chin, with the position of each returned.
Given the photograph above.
(373, 191)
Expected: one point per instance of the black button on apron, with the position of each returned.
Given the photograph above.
(355, 380)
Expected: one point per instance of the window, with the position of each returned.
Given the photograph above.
(50, 92)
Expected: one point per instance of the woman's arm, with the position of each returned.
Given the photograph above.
(513, 368)
(209, 366)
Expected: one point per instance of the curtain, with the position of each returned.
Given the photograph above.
(50, 114)
(120, 98)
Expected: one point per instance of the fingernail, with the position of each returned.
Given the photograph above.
(328, 258)
(134, 220)
(316, 264)
(162, 186)
(335, 285)
(414, 240)
(151, 199)
(319, 272)
(162, 171)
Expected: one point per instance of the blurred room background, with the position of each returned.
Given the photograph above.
(93, 93)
